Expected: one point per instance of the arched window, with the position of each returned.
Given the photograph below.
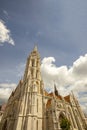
(37, 105)
(33, 63)
(37, 74)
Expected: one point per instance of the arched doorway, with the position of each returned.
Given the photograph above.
(64, 122)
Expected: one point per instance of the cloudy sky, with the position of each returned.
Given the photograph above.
(59, 29)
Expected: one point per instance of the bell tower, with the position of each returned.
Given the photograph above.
(32, 71)
(31, 106)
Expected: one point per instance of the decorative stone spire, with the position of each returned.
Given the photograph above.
(55, 90)
(35, 48)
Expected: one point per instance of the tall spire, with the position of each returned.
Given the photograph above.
(32, 70)
(55, 90)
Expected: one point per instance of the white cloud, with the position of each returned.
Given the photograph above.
(52, 74)
(66, 79)
(5, 90)
(80, 66)
(5, 34)
(7, 85)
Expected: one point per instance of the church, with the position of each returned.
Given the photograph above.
(31, 107)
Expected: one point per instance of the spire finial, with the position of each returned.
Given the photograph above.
(55, 90)
(35, 48)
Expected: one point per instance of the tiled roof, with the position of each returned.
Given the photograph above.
(48, 103)
(67, 98)
(51, 94)
(46, 93)
(59, 97)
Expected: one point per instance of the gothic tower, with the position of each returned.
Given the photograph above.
(25, 106)
(31, 107)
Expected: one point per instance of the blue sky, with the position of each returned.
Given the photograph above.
(57, 27)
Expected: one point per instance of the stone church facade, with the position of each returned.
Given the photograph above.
(30, 107)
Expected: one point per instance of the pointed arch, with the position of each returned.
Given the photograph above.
(64, 122)
(61, 116)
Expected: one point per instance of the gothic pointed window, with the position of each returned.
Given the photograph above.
(37, 74)
(37, 105)
(33, 63)
(32, 72)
